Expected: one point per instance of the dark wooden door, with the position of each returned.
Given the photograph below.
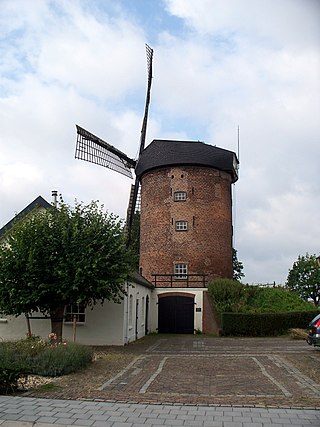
(176, 315)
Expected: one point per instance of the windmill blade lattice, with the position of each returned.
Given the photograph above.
(93, 149)
(135, 189)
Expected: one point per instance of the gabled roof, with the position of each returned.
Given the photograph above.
(38, 202)
(164, 153)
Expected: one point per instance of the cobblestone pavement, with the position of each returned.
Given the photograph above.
(190, 380)
(218, 371)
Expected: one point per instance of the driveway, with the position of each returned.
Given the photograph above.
(194, 369)
(219, 370)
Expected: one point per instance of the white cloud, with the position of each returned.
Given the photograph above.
(243, 62)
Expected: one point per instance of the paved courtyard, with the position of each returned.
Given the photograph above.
(219, 371)
(188, 381)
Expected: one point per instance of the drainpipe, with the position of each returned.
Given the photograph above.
(127, 315)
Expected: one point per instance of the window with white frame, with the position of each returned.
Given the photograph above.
(180, 271)
(180, 196)
(181, 225)
(75, 310)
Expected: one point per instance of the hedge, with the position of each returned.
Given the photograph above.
(265, 324)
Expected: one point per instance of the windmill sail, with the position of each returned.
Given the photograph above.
(135, 190)
(93, 149)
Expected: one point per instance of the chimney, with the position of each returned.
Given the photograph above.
(55, 198)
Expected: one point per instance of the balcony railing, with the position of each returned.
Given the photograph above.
(180, 280)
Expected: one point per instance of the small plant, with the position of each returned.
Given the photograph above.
(35, 356)
(62, 359)
(12, 367)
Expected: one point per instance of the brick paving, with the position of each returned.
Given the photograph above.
(217, 371)
(189, 380)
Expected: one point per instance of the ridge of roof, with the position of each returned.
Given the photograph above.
(38, 202)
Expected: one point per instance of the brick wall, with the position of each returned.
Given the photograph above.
(207, 244)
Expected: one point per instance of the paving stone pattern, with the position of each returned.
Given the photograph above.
(27, 412)
(184, 370)
(190, 381)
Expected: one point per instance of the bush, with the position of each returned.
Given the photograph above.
(33, 355)
(62, 359)
(234, 297)
(264, 324)
(275, 300)
(227, 295)
(12, 367)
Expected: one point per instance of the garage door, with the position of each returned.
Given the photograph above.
(176, 315)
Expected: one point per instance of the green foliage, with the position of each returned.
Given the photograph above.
(237, 266)
(63, 256)
(234, 297)
(135, 239)
(12, 367)
(61, 359)
(227, 294)
(304, 277)
(36, 356)
(274, 300)
(266, 324)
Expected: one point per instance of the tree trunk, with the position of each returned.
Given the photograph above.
(56, 315)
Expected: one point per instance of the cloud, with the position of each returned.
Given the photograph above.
(217, 65)
(291, 23)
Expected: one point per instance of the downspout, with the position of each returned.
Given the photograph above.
(127, 316)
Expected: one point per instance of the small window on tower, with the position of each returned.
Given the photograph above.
(180, 196)
(181, 225)
(180, 271)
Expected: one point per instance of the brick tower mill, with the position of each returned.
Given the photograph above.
(185, 229)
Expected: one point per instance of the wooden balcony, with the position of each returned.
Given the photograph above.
(180, 281)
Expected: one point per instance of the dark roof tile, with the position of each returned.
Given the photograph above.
(164, 153)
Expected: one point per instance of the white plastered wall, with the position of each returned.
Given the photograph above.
(105, 324)
(136, 311)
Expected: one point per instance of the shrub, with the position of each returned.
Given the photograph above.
(275, 300)
(264, 324)
(12, 367)
(61, 359)
(33, 355)
(228, 295)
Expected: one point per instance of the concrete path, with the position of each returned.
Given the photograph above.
(27, 412)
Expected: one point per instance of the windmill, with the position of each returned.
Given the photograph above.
(93, 149)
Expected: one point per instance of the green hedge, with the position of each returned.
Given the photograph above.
(265, 324)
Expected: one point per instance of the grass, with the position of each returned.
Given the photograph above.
(49, 387)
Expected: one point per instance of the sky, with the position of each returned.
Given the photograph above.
(218, 64)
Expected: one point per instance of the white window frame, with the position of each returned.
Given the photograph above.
(181, 270)
(78, 310)
(180, 196)
(181, 225)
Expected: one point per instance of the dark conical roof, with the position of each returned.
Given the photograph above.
(163, 153)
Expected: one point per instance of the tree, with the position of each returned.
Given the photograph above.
(63, 256)
(304, 278)
(237, 266)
